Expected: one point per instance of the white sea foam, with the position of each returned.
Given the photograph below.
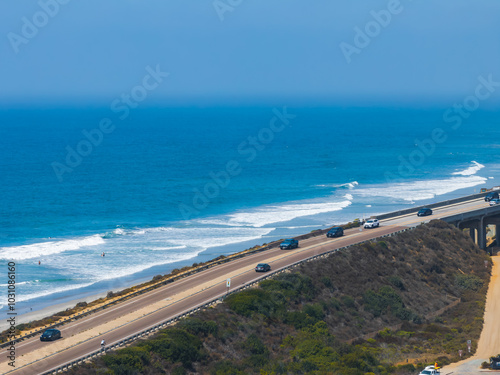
(166, 248)
(119, 231)
(267, 215)
(104, 272)
(349, 185)
(205, 238)
(119, 271)
(49, 291)
(18, 284)
(419, 190)
(473, 169)
(43, 249)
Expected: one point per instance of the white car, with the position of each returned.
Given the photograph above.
(429, 370)
(494, 202)
(372, 223)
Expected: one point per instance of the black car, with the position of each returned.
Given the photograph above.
(50, 335)
(490, 196)
(424, 212)
(335, 232)
(289, 244)
(262, 267)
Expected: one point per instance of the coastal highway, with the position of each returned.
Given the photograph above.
(115, 323)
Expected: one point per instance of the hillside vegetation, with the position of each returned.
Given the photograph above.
(385, 307)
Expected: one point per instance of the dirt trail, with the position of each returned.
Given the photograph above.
(489, 341)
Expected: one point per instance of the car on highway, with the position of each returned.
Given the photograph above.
(50, 335)
(429, 370)
(262, 267)
(490, 196)
(424, 212)
(289, 243)
(494, 201)
(335, 232)
(372, 223)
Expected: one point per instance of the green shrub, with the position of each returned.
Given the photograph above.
(252, 300)
(315, 311)
(176, 345)
(299, 319)
(348, 302)
(254, 345)
(335, 303)
(397, 282)
(128, 361)
(327, 281)
(198, 327)
(227, 368)
(468, 282)
(386, 298)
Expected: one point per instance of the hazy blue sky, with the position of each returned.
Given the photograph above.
(98, 49)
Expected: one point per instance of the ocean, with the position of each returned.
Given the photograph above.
(166, 187)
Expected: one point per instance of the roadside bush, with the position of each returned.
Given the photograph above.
(252, 300)
(198, 327)
(128, 361)
(176, 345)
(291, 285)
(468, 282)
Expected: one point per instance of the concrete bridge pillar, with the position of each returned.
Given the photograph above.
(481, 234)
(472, 233)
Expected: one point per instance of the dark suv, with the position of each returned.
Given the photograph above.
(424, 212)
(490, 196)
(289, 244)
(335, 232)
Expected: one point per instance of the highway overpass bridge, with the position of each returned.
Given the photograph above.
(477, 221)
(475, 214)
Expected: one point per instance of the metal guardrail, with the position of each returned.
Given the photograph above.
(170, 321)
